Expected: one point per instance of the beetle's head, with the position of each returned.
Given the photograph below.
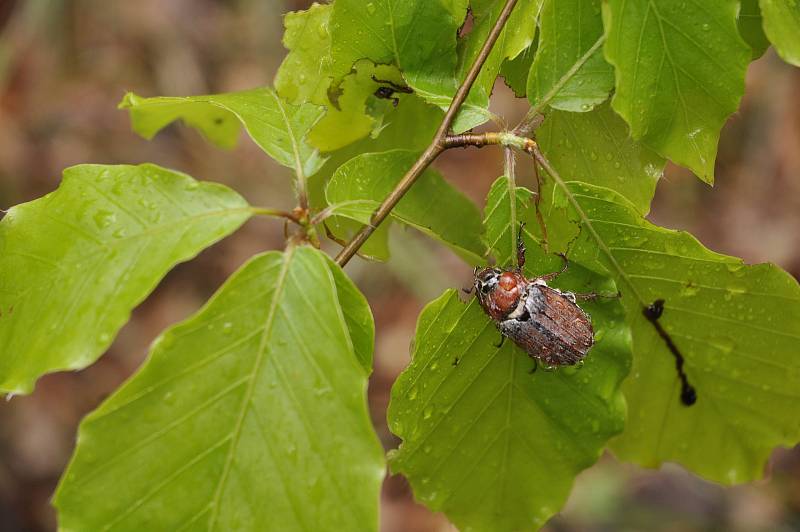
(498, 291)
(486, 281)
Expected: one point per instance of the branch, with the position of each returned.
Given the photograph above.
(436, 147)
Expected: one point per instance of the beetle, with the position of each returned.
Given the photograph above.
(545, 322)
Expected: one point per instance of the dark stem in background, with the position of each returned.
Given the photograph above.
(652, 313)
(436, 146)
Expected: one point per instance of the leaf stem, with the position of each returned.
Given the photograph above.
(265, 211)
(510, 171)
(328, 211)
(437, 145)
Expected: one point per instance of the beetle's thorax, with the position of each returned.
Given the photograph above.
(500, 291)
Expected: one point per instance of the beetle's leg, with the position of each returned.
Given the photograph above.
(456, 361)
(535, 365)
(550, 276)
(471, 288)
(502, 341)
(520, 248)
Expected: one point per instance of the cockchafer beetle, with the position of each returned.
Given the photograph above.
(546, 322)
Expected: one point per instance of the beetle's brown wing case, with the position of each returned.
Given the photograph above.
(566, 319)
(557, 330)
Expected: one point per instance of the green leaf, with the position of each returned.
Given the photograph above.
(249, 415)
(737, 327)
(305, 73)
(279, 128)
(357, 111)
(515, 71)
(782, 26)
(416, 36)
(595, 148)
(410, 125)
(680, 70)
(750, 27)
(376, 247)
(569, 31)
(357, 315)
(74, 263)
(491, 445)
(516, 36)
(431, 205)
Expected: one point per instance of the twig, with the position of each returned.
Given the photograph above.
(436, 146)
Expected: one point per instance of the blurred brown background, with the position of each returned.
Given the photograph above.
(64, 65)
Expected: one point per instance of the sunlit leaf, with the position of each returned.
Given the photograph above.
(680, 70)
(416, 36)
(74, 263)
(516, 36)
(410, 125)
(305, 73)
(357, 112)
(782, 26)
(569, 30)
(595, 148)
(431, 205)
(249, 415)
(737, 326)
(484, 440)
(279, 128)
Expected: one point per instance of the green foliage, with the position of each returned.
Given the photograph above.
(595, 148)
(240, 419)
(515, 38)
(305, 74)
(570, 30)
(277, 127)
(484, 440)
(677, 78)
(416, 36)
(515, 71)
(750, 27)
(737, 327)
(782, 26)
(432, 206)
(251, 414)
(74, 263)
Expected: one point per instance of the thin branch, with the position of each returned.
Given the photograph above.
(529, 123)
(479, 140)
(436, 146)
